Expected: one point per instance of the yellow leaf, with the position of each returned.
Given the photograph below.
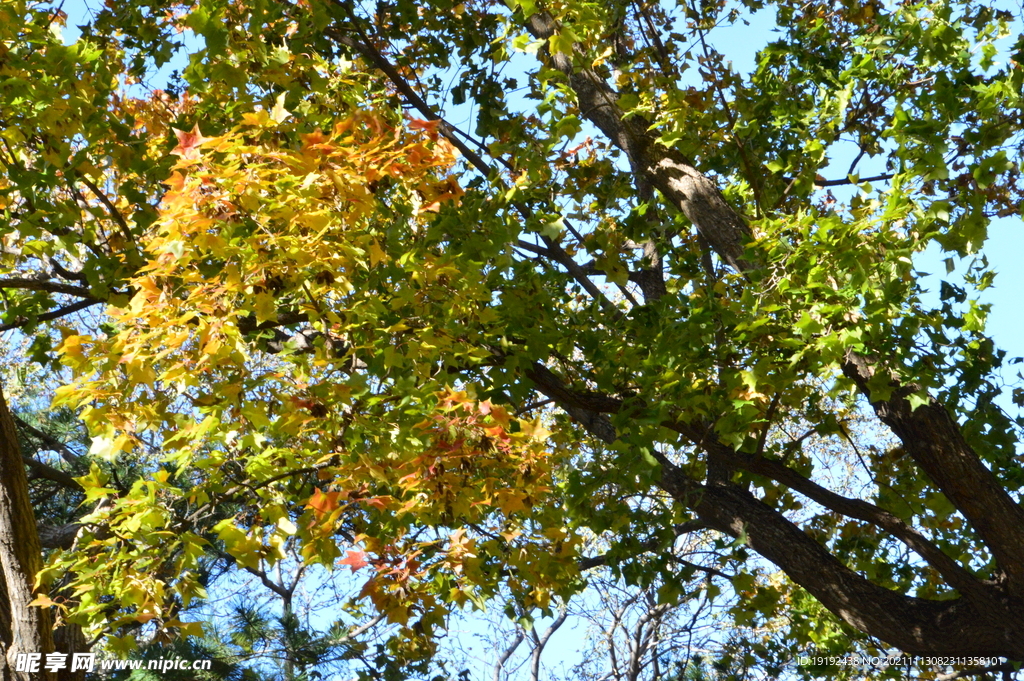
(121, 644)
(377, 254)
(534, 430)
(511, 501)
(190, 628)
(601, 58)
(108, 448)
(279, 113)
(212, 346)
(256, 119)
(265, 308)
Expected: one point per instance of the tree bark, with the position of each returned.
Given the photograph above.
(28, 629)
(933, 439)
(668, 170)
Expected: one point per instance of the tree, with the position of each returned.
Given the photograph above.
(46, 442)
(24, 629)
(617, 311)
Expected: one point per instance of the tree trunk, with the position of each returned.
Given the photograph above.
(23, 629)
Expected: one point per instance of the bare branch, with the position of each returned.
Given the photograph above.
(500, 665)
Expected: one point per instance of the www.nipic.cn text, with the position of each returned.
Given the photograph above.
(52, 662)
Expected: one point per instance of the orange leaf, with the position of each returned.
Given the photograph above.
(188, 142)
(355, 560)
(323, 503)
(430, 127)
(376, 502)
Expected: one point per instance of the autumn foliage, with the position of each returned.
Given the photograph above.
(632, 320)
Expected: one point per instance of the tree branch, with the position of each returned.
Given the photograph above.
(652, 545)
(933, 439)
(111, 208)
(500, 664)
(957, 576)
(50, 441)
(557, 253)
(41, 470)
(50, 316)
(261, 574)
(58, 536)
(48, 286)
(960, 626)
(669, 171)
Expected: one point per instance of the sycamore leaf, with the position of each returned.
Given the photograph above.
(256, 119)
(108, 448)
(561, 43)
(265, 307)
(190, 628)
(918, 399)
(377, 253)
(429, 127)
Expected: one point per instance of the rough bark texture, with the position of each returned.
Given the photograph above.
(6, 672)
(28, 628)
(69, 639)
(933, 439)
(58, 536)
(954, 627)
(669, 171)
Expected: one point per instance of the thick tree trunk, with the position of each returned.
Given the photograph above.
(69, 639)
(23, 629)
(6, 673)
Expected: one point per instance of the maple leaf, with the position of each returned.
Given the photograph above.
(323, 504)
(355, 560)
(314, 139)
(188, 143)
(279, 114)
(430, 127)
(376, 502)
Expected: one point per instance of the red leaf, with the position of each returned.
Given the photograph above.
(188, 142)
(354, 559)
